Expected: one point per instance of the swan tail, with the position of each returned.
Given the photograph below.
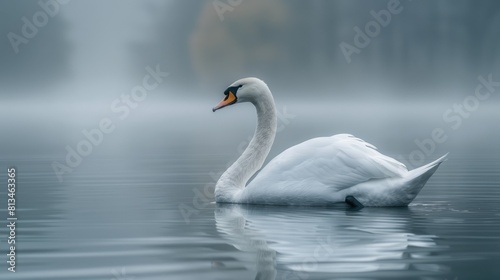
(416, 178)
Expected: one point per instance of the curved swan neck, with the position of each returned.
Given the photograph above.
(251, 160)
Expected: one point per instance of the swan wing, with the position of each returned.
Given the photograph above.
(322, 165)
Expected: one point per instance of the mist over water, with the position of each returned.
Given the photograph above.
(423, 49)
(106, 113)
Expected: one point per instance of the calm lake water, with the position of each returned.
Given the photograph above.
(140, 206)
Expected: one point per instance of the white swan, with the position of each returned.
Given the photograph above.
(320, 171)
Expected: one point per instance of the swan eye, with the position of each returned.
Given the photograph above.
(232, 90)
(230, 97)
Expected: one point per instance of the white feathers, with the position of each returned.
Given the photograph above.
(319, 171)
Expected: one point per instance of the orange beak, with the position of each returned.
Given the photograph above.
(228, 100)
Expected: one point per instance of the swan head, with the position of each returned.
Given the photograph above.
(244, 90)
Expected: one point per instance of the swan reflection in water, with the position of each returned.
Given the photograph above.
(312, 243)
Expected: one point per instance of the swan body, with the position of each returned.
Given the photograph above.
(319, 171)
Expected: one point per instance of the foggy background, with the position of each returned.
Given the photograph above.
(120, 205)
(429, 44)
(66, 77)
